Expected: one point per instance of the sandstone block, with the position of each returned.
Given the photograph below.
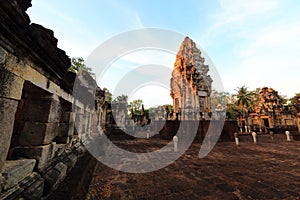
(54, 176)
(29, 180)
(2, 183)
(67, 117)
(62, 169)
(36, 133)
(35, 191)
(10, 85)
(60, 148)
(42, 110)
(70, 161)
(16, 170)
(66, 129)
(51, 180)
(7, 115)
(43, 154)
(12, 193)
(62, 139)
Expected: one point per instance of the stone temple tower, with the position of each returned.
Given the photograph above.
(190, 83)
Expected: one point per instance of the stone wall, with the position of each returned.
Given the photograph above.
(269, 112)
(171, 127)
(39, 142)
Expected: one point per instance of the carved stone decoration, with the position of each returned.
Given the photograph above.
(190, 82)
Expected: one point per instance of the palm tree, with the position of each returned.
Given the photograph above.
(245, 98)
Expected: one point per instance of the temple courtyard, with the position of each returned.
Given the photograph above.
(266, 170)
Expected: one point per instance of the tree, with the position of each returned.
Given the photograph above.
(244, 97)
(294, 99)
(77, 64)
(170, 107)
(219, 98)
(136, 106)
(122, 97)
(232, 109)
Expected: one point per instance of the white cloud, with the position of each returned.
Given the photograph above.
(235, 13)
(264, 49)
(271, 58)
(144, 57)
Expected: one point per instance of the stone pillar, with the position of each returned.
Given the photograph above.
(10, 93)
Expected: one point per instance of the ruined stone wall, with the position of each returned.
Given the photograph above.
(39, 143)
(268, 112)
(170, 128)
(298, 111)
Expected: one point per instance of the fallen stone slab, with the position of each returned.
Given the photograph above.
(16, 170)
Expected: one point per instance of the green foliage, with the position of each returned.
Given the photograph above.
(170, 107)
(219, 98)
(136, 106)
(77, 64)
(245, 98)
(293, 100)
(120, 98)
(232, 111)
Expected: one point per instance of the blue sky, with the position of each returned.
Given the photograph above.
(253, 43)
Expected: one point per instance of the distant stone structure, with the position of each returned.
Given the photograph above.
(190, 83)
(297, 110)
(268, 113)
(39, 143)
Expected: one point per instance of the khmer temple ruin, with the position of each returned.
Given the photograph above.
(47, 128)
(269, 112)
(190, 83)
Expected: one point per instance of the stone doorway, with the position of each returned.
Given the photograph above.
(266, 122)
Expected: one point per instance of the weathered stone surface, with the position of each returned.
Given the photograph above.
(16, 170)
(43, 154)
(62, 169)
(42, 110)
(2, 182)
(37, 133)
(10, 85)
(51, 180)
(80, 150)
(70, 161)
(35, 191)
(54, 176)
(7, 115)
(3, 57)
(66, 129)
(29, 180)
(60, 149)
(67, 117)
(11, 194)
